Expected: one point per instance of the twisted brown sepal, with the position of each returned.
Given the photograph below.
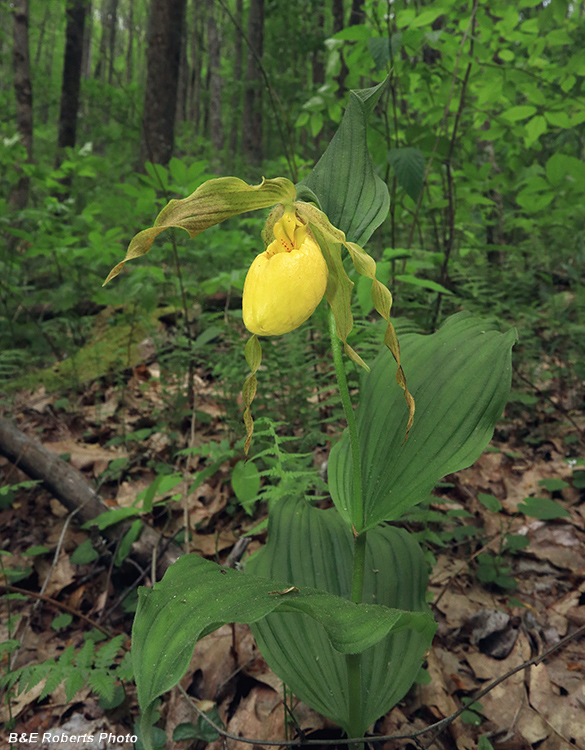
(339, 288)
(253, 354)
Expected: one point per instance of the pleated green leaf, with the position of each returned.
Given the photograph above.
(312, 547)
(354, 198)
(196, 597)
(460, 379)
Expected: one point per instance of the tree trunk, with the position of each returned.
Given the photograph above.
(337, 15)
(130, 50)
(252, 147)
(76, 12)
(196, 65)
(236, 97)
(113, 22)
(87, 48)
(182, 84)
(215, 82)
(160, 101)
(357, 14)
(100, 67)
(23, 91)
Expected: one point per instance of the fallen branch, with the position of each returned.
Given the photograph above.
(61, 606)
(70, 488)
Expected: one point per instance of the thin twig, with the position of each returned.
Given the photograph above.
(41, 595)
(109, 575)
(444, 121)
(438, 726)
(58, 605)
(451, 234)
(187, 475)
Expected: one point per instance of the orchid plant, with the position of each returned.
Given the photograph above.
(337, 598)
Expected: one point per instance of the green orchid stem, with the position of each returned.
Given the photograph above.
(353, 661)
(358, 504)
(145, 723)
(354, 679)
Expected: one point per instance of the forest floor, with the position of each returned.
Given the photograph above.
(484, 630)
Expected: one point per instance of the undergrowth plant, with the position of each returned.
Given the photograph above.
(104, 668)
(337, 598)
(101, 669)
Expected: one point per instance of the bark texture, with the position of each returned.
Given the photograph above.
(183, 78)
(252, 146)
(337, 15)
(23, 92)
(130, 47)
(76, 13)
(357, 14)
(195, 109)
(160, 101)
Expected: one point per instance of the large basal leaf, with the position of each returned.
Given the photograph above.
(460, 379)
(196, 597)
(354, 198)
(312, 547)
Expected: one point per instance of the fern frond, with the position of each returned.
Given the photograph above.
(34, 673)
(103, 682)
(54, 679)
(7, 681)
(125, 670)
(74, 682)
(107, 653)
(67, 657)
(85, 655)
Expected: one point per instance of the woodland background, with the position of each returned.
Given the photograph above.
(111, 108)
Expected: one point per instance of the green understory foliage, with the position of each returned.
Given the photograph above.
(478, 136)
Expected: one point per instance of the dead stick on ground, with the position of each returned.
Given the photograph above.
(71, 489)
(57, 605)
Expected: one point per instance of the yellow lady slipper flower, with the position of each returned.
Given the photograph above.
(286, 282)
